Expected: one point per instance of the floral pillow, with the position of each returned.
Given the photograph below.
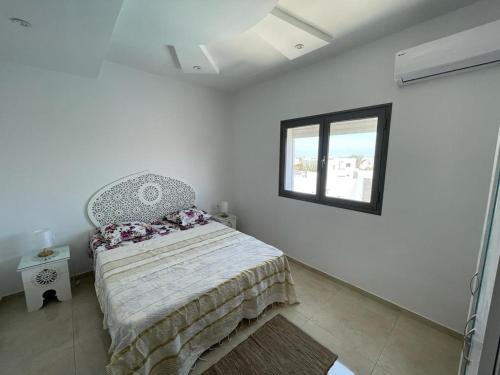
(163, 227)
(96, 241)
(188, 218)
(116, 233)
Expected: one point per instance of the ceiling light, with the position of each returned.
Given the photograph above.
(299, 46)
(197, 67)
(20, 22)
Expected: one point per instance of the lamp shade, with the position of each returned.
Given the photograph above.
(224, 207)
(44, 238)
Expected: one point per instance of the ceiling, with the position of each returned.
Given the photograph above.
(226, 44)
(70, 36)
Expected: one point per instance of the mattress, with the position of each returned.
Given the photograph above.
(167, 300)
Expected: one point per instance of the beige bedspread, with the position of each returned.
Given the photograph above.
(167, 300)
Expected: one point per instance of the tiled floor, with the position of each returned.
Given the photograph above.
(369, 337)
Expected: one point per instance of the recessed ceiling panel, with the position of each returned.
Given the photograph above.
(188, 22)
(245, 55)
(65, 35)
(186, 26)
(194, 60)
(289, 35)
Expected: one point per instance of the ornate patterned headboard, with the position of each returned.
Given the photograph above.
(140, 197)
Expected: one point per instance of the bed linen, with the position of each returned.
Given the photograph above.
(168, 299)
(99, 244)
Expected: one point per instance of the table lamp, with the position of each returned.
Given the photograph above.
(224, 208)
(44, 240)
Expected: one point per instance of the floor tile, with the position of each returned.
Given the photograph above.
(355, 325)
(91, 355)
(31, 333)
(56, 361)
(314, 291)
(369, 336)
(354, 360)
(380, 371)
(415, 348)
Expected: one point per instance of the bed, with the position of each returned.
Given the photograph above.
(169, 298)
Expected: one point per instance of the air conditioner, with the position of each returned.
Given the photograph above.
(467, 50)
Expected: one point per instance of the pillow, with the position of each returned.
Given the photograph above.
(116, 233)
(97, 241)
(163, 227)
(187, 218)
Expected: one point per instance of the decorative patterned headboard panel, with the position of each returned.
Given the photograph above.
(140, 197)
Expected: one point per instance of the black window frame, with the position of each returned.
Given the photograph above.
(383, 113)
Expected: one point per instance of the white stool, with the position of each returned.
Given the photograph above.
(42, 274)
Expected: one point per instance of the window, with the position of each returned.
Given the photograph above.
(337, 159)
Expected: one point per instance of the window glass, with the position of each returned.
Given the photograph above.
(301, 159)
(351, 158)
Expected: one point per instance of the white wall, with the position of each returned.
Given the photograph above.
(421, 251)
(63, 137)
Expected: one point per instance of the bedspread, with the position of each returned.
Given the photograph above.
(167, 300)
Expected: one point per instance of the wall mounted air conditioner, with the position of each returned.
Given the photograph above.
(467, 50)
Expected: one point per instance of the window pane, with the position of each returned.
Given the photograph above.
(301, 160)
(351, 155)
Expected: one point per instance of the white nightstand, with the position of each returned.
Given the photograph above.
(229, 220)
(42, 274)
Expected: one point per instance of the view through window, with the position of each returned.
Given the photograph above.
(351, 158)
(302, 159)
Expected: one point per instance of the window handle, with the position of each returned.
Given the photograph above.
(323, 161)
(473, 317)
(467, 342)
(474, 287)
(468, 335)
(466, 351)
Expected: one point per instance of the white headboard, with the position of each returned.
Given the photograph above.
(140, 197)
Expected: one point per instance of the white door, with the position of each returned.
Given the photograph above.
(482, 329)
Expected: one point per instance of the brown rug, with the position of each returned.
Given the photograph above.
(278, 347)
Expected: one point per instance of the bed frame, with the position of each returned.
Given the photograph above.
(139, 197)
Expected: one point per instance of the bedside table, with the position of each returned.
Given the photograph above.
(229, 220)
(42, 274)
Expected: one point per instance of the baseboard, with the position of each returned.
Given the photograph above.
(414, 315)
(15, 294)
(73, 278)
